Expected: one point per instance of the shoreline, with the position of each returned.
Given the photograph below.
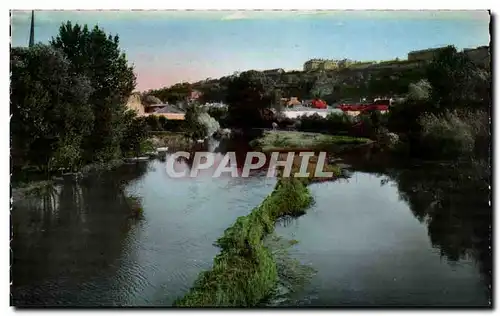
(22, 189)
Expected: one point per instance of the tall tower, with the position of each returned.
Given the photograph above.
(32, 29)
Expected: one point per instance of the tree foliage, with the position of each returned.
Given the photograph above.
(198, 122)
(49, 107)
(194, 128)
(432, 116)
(457, 82)
(97, 56)
(136, 131)
(249, 94)
(68, 100)
(177, 93)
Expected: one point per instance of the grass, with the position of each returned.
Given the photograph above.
(101, 166)
(245, 271)
(278, 140)
(311, 169)
(169, 139)
(38, 188)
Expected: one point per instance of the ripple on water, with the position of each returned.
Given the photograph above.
(151, 262)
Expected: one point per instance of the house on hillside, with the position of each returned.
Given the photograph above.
(425, 54)
(479, 55)
(151, 108)
(294, 101)
(170, 112)
(290, 102)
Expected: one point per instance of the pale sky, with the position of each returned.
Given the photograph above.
(167, 47)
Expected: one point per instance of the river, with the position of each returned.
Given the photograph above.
(79, 248)
(373, 240)
(369, 249)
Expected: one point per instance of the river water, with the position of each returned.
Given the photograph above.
(80, 248)
(372, 240)
(369, 248)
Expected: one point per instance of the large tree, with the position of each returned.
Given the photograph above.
(97, 56)
(249, 95)
(49, 107)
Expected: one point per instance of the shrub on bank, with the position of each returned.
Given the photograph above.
(333, 123)
(364, 125)
(283, 140)
(454, 133)
(169, 139)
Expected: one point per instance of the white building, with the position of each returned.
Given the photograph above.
(299, 111)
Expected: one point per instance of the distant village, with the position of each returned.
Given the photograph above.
(293, 107)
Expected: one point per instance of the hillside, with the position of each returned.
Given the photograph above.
(359, 79)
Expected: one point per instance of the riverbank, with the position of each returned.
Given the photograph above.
(170, 139)
(21, 188)
(245, 271)
(39, 181)
(282, 140)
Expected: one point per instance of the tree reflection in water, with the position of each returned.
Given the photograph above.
(62, 235)
(452, 199)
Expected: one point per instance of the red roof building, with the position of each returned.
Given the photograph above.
(319, 104)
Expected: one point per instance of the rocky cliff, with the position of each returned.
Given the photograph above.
(134, 103)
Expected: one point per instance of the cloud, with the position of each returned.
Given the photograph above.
(238, 15)
(271, 14)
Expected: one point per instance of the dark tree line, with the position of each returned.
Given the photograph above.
(450, 107)
(68, 101)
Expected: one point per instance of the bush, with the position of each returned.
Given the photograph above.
(419, 91)
(209, 123)
(153, 123)
(162, 121)
(313, 123)
(334, 123)
(454, 133)
(66, 156)
(340, 122)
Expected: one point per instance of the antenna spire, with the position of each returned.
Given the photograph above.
(32, 29)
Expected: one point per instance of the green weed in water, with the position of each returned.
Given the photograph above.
(134, 203)
(245, 272)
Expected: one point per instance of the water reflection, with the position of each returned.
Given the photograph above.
(78, 246)
(70, 234)
(451, 198)
(368, 250)
(454, 204)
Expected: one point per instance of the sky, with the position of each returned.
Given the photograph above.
(167, 47)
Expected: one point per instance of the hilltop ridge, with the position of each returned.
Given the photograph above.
(328, 79)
